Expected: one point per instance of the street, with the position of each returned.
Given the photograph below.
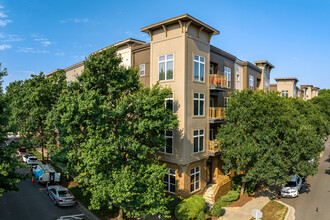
(314, 200)
(32, 202)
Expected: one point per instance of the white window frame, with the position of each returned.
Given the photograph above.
(227, 74)
(251, 82)
(198, 99)
(194, 172)
(166, 60)
(285, 93)
(142, 69)
(163, 149)
(226, 102)
(171, 98)
(199, 136)
(199, 61)
(167, 180)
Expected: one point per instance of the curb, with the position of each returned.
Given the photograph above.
(290, 214)
(88, 213)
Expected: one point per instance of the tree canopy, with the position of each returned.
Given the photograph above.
(110, 127)
(29, 103)
(8, 163)
(268, 138)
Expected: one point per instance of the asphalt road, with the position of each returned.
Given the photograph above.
(32, 202)
(313, 202)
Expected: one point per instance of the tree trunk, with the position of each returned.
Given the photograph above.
(42, 152)
(121, 215)
(242, 189)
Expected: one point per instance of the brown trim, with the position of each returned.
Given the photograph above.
(252, 66)
(222, 53)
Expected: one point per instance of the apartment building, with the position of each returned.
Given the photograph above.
(288, 88)
(201, 77)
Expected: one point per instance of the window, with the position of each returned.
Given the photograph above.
(169, 102)
(211, 69)
(226, 102)
(166, 67)
(285, 93)
(199, 68)
(169, 180)
(251, 82)
(142, 69)
(194, 179)
(211, 134)
(228, 75)
(198, 104)
(168, 147)
(266, 85)
(306, 94)
(198, 140)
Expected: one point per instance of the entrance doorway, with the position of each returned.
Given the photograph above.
(209, 170)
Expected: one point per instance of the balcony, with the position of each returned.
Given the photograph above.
(214, 148)
(218, 82)
(216, 114)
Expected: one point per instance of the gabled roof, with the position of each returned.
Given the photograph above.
(185, 17)
(121, 43)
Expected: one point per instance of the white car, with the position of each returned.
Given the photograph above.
(31, 160)
(292, 187)
(61, 196)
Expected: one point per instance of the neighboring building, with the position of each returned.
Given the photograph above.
(201, 77)
(288, 88)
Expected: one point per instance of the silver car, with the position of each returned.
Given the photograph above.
(292, 187)
(61, 196)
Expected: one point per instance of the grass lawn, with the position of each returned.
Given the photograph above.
(273, 211)
(84, 200)
(36, 153)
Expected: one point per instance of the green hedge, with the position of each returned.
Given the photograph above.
(225, 200)
(190, 208)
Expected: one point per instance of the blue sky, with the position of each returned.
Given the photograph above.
(39, 35)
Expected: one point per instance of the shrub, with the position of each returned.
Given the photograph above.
(225, 200)
(201, 216)
(175, 200)
(230, 197)
(217, 208)
(190, 208)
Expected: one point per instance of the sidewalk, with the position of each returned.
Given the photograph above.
(244, 212)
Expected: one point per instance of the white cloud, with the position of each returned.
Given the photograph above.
(75, 20)
(59, 53)
(1, 6)
(3, 15)
(30, 50)
(44, 41)
(4, 46)
(10, 38)
(4, 22)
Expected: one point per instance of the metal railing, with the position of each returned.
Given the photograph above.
(218, 80)
(217, 112)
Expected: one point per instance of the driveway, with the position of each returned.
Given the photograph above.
(314, 200)
(32, 202)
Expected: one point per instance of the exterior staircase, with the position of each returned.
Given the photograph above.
(210, 188)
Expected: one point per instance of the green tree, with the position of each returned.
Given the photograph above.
(111, 127)
(8, 164)
(29, 102)
(324, 91)
(321, 104)
(268, 138)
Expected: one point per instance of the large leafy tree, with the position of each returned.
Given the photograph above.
(321, 105)
(268, 138)
(30, 101)
(8, 163)
(111, 127)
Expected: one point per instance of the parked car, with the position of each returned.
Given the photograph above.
(61, 196)
(292, 187)
(31, 160)
(25, 157)
(22, 151)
